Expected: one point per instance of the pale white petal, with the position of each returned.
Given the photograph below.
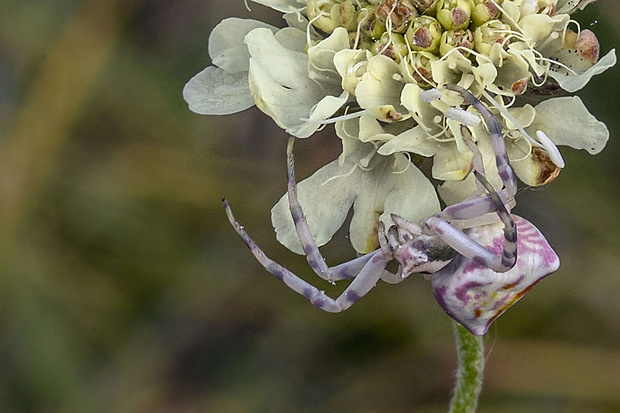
(371, 130)
(216, 92)
(524, 115)
(485, 73)
(566, 121)
(292, 39)
(511, 11)
(421, 111)
(572, 83)
(226, 46)
(324, 109)
(455, 128)
(325, 202)
(537, 27)
(513, 71)
(284, 6)
(449, 164)
(522, 162)
(348, 131)
(300, 22)
(351, 66)
(460, 183)
(413, 140)
(450, 68)
(570, 6)
(379, 86)
(280, 85)
(453, 192)
(522, 49)
(327, 196)
(321, 58)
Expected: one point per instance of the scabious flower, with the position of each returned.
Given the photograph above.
(377, 68)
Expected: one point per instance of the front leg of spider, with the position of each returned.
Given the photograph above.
(372, 267)
(478, 206)
(365, 270)
(454, 237)
(314, 257)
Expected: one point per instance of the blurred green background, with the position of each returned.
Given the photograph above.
(124, 289)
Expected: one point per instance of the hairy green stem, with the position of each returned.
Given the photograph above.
(470, 351)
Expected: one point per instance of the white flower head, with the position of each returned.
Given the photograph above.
(377, 69)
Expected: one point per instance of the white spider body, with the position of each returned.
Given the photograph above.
(417, 253)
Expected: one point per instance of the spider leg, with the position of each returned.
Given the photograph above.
(477, 159)
(387, 276)
(509, 253)
(477, 207)
(464, 245)
(365, 280)
(349, 269)
(497, 140)
(314, 257)
(479, 203)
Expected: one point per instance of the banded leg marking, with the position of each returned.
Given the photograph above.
(464, 245)
(372, 270)
(509, 253)
(313, 255)
(497, 141)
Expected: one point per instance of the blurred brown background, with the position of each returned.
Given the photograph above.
(123, 288)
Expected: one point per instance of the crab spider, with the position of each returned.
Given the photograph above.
(477, 272)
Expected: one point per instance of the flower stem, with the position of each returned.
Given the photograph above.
(470, 350)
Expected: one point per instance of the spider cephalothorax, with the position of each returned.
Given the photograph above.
(414, 250)
(477, 271)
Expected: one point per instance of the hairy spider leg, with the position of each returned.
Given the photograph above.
(509, 253)
(476, 158)
(384, 246)
(479, 203)
(477, 206)
(472, 208)
(497, 140)
(370, 273)
(313, 255)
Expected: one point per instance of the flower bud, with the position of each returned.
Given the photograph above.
(361, 42)
(399, 12)
(369, 24)
(547, 7)
(585, 43)
(419, 65)
(348, 15)
(491, 32)
(326, 13)
(424, 34)
(456, 38)
(391, 45)
(454, 14)
(528, 7)
(425, 6)
(484, 10)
